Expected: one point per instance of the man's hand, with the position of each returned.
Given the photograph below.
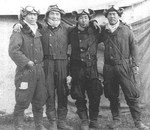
(31, 65)
(135, 69)
(17, 27)
(68, 80)
(96, 25)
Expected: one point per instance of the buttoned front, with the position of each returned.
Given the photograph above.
(55, 45)
(120, 48)
(120, 44)
(29, 79)
(83, 69)
(25, 47)
(83, 44)
(55, 41)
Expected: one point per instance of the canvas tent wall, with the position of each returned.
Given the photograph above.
(141, 29)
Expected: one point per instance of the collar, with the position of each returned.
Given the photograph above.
(80, 29)
(27, 30)
(54, 28)
(112, 28)
(119, 27)
(32, 27)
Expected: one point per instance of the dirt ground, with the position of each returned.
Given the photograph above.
(6, 121)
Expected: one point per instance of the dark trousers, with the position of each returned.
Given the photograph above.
(34, 94)
(121, 75)
(85, 79)
(56, 73)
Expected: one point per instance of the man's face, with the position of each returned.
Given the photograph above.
(55, 16)
(83, 21)
(31, 18)
(113, 17)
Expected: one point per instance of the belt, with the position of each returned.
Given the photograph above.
(48, 57)
(116, 62)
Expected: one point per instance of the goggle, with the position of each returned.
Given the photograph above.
(113, 6)
(83, 11)
(31, 9)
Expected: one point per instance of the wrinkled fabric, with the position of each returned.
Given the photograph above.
(83, 69)
(24, 47)
(55, 41)
(141, 30)
(55, 82)
(121, 39)
(55, 45)
(117, 72)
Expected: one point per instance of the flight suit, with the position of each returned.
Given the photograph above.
(83, 69)
(24, 47)
(55, 46)
(120, 56)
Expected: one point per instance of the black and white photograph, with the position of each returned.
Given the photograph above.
(75, 65)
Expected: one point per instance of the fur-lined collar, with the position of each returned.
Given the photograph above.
(26, 29)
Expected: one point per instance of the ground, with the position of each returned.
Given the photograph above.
(6, 121)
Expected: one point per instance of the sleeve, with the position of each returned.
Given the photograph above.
(101, 34)
(15, 52)
(92, 21)
(133, 49)
(14, 25)
(69, 29)
(94, 24)
(69, 44)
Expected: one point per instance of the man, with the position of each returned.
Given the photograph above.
(25, 49)
(55, 44)
(120, 65)
(84, 41)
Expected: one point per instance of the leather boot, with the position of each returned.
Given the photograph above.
(94, 119)
(40, 127)
(141, 126)
(115, 109)
(84, 119)
(114, 124)
(63, 125)
(94, 124)
(53, 125)
(38, 120)
(39, 124)
(18, 122)
(18, 127)
(52, 120)
(84, 125)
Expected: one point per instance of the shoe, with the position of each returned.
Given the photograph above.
(53, 125)
(141, 126)
(41, 127)
(84, 124)
(63, 125)
(84, 127)
(94, 124)
(18, 122)
(18, 128)
(114, 124)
